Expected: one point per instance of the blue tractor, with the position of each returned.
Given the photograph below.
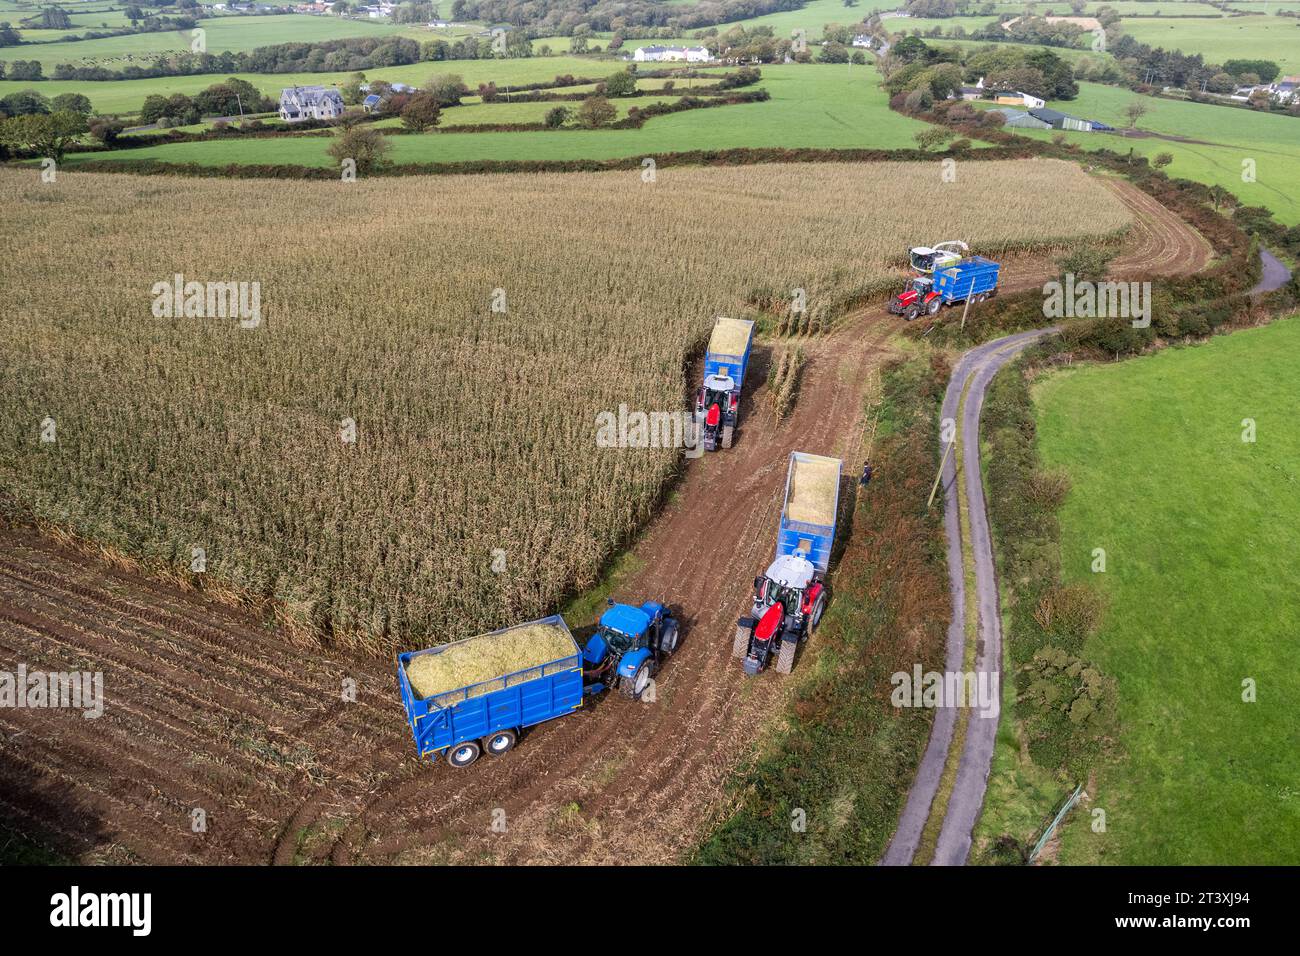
(628, 648)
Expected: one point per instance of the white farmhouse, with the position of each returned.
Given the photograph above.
(661, 54)
(299, 103)
(1286, 89)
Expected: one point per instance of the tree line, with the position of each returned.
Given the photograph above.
(570, 17)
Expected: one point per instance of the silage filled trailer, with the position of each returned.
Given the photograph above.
(717, 401)
(812, 498)
(475, 695)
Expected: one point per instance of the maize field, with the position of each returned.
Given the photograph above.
(394, 437)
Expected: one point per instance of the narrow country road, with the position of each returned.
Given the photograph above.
(972, 377)
(1274, 276)
(975, 370)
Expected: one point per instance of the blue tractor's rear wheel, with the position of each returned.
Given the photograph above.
(632, 687)
(668, 643)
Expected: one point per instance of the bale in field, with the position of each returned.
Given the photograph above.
(486, 657)
(813, 491)
(729, 336)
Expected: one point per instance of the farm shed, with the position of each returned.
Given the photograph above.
(1020, 119)
(1059, 120)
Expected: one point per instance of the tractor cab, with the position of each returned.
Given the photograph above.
(785, 582)
(624, 628)
(921, 285)
(628, 646)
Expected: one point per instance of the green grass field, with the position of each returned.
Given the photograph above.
(236, 34)
(1262, 37)
(1124, 7)
(811, 106)
(474, 112)
(81, 23)
(1199, 530)
(1069, 54)
(902, 25)
(1264, 6)
(811, 17)
(1271, 140)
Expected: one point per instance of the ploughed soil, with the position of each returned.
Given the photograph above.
(222, 741)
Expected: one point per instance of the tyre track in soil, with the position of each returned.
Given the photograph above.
(68, 612)
(648, 773)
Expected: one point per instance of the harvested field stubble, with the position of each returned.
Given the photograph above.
(475, 429)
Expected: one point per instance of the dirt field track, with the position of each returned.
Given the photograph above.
(208, 710)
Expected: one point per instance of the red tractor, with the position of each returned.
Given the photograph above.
(788, 603)
(717, 404)
(918, 296)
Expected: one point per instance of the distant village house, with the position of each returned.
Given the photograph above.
(661, 54)
(298, 103)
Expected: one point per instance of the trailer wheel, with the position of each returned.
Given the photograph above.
(727, 431)
(634, 685)
(502, 741)
(740, 646)
(785, 661)
(462, 755)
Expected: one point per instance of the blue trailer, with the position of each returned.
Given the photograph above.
(974, 278)
(717, 402)
(812, 497)
(790, 598)
(626, 651)
(487, 716)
